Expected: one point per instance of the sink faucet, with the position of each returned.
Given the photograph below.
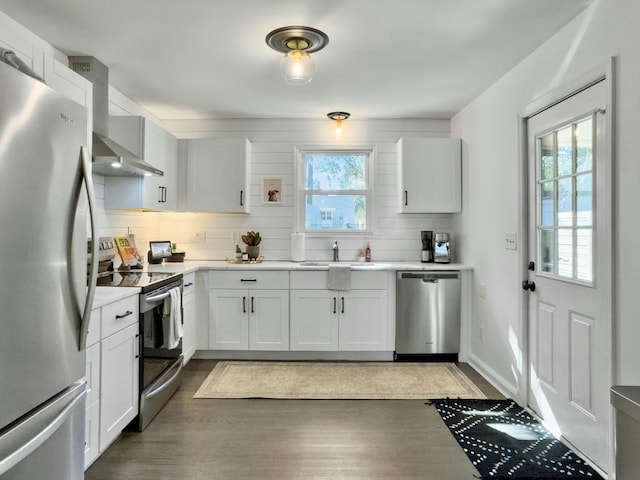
(336, 257)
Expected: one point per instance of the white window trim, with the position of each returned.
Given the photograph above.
(299, 172)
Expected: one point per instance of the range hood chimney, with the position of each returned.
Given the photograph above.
(109, 158)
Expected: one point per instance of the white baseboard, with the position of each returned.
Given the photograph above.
(508, 389)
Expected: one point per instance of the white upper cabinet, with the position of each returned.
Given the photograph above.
(430, 172)
(61, 78)
(24, 44)
(156, 146)
(218, 175)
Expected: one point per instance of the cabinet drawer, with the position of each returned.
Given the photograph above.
(189, 283)
(250, 279)
(119, 315)
(305, 280)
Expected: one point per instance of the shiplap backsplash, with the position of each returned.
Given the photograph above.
(209, 236)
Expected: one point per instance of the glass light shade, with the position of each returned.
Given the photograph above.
(297, 68)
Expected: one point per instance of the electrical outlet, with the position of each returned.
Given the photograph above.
(235, 236)
(482, 290)
(511, 241)
(200, 237)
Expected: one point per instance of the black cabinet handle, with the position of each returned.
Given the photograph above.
(159, 194)
(252, 310)
(188, 284)
(128, 312)
(406, 198)
(241, 198)
(334, 304)
(342, 310)
(244, 304)
(248, 279)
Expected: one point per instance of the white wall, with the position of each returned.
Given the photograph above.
(489, 129)
(395, 236)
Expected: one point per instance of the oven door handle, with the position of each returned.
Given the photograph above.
(164, 385)
(157, 298)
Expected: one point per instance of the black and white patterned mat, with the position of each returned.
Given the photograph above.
(503, 441)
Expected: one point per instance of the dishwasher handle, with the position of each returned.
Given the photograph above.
(429, 277)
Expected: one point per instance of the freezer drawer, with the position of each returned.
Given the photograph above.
(428, 312)
(48, 442)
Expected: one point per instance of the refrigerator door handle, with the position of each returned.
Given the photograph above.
(93, 275)
(20, 441)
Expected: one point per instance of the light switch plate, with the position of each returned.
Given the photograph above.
(511, 241)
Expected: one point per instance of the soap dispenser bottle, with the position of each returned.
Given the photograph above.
(367, 253)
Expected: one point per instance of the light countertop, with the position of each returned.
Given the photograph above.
(193, 265)
(106, 295)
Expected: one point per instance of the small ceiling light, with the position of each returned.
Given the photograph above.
(297, 43)
(338, 117)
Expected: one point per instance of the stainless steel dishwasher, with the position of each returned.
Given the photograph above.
(428, 312)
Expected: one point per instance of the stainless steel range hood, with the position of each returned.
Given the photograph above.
(109, 157)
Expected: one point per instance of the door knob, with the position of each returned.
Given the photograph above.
(529, 285)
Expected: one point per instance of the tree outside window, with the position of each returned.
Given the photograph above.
(335, 191)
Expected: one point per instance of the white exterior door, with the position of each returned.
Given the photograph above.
(569, 279)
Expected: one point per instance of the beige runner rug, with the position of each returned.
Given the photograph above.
(335, 380)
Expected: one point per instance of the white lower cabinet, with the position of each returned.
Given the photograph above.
(189, 317)
(111, 374)
(255, 318)
(336, 320)
(363, 320)
(92, 418)
(328, 320)
(119, 383)
(314, 320)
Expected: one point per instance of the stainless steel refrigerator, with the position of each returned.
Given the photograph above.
(46, 197)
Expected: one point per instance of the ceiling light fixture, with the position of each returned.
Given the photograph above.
(338, 117)
(297, 43)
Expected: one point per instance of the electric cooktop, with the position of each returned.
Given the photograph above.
(137, 278)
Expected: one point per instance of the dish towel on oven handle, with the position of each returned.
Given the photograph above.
(172, 318)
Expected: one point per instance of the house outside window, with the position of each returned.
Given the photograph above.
(335, 190)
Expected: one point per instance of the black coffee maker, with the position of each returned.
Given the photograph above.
(426, 255)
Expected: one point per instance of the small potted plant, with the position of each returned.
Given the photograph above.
(252, 241)
(238, 252)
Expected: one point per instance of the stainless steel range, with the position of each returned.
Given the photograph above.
(161, 359)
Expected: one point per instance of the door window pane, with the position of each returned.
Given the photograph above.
(565, 201)
(547, 157)
(584, 200)
(565, 151)
(565, 252)
(547, 245)
(584, 145)
(547, 212)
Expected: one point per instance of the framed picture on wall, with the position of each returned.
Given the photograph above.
(272, 191)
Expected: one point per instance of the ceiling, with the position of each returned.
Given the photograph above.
(385, 58)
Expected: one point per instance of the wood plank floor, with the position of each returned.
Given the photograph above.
(195, 439)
